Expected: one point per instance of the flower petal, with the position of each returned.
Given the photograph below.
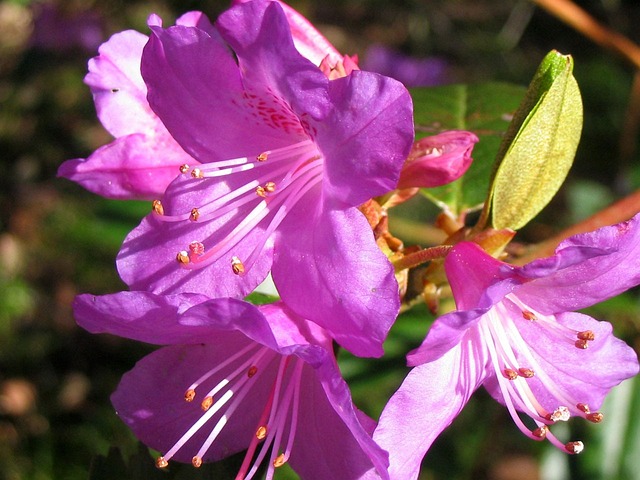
(332, 442)
(167, 319)
(586, 269)
(150, 399)
(195, 87)
(428, 400)
(134, 166)
(364, 153)
(585, 375)
(118, 90)
(352, 289)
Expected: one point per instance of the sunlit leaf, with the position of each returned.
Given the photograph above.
(540, 145)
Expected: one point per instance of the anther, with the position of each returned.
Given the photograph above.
(196, 461)
(252, 371)
(262, 157)
(206, 403)
(582, 344)
(183, 257)
(279, 461)
(583, 407)
(184, 168)
(189, 395)
(237, 266)
(157, 207)
(574, 447)
(194, 215)
(161, 462)
(261, 432)
(561, 414)
(541, 432)
(527, 315)
(260, 191)
(196, 248)
(270, 187)
(586, 335)
(197, 173)
(526, 372)
(595, 417)
(510, 373)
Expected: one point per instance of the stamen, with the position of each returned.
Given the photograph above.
(237, 266)
(574, 447)
(161, 462)
(196, 461)
(527, 315)
(252, 371)
(262, 157)
(194, 215)
(581, 344)
(190, 395)
(279, 461)
(206, 403)
(595, 417)
(510, 373)
(183, 257)
(196, 248)
(184, 168)
(541, 432)
(526, 372)
(586, 335)
(560, 414)
(157, 207)
(583, 407)
(197, 173)
(261, 432)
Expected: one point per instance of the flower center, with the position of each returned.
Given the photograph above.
(276, 427)
(516, 366)
(278, 179)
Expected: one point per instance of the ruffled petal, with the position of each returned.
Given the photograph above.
(585, 270)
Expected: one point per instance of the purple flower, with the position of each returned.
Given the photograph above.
(515, 332)
(287, 156)
(235, 377)
(144, 158)
(413, 72)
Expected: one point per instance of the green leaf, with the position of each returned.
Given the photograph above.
(539, 147)
(484, 109)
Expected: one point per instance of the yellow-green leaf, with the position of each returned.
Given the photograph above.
(537, 157)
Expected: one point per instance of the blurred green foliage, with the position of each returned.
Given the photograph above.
(57, 240)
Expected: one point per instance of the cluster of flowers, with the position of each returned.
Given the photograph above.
(262, 148)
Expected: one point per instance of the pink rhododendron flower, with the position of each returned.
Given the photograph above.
(515, 332)
(438, 159)
(233, 377)
(286, 157)
(144, 158)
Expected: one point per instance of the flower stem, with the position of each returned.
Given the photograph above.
(421, 256)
